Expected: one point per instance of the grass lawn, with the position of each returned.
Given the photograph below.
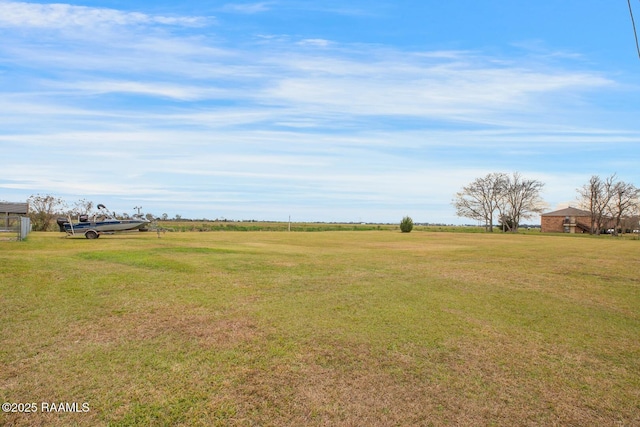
(327, 328)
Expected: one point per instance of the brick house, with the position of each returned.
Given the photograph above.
(569, 220)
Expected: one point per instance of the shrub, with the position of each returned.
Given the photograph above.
(406, 225)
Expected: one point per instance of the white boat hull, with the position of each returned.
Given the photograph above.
(108, 223)
(107, 226)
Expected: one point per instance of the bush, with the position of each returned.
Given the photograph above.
(406, 225)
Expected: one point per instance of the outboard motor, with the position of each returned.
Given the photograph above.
(84, 218)
(61, 222)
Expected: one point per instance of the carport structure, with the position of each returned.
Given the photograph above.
(13, 219)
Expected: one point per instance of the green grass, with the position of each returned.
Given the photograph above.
(203, 226)
(333, 328)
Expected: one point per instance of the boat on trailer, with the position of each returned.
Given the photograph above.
(104, 222)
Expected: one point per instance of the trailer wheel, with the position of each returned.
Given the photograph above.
(91, 234)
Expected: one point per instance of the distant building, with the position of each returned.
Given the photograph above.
(14, 209)
(569, 220)
(9, 212)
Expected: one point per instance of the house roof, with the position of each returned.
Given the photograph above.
(568, 212)
(14, 208)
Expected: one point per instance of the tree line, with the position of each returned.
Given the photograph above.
(512, 198)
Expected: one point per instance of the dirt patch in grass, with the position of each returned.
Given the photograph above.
(204, 328)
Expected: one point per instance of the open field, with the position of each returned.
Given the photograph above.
(334, 328)
(196, 225)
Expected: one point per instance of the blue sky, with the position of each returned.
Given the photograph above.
(322, 111)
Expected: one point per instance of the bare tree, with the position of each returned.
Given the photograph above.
(596, 197)
(512, 196)
(479, 200)
(43, 209)
(520, 200)
(625, 200)
(82, 207)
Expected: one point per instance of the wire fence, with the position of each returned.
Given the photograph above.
(13, 227)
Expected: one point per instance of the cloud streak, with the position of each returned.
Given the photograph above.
(59, 16)
(247, 8)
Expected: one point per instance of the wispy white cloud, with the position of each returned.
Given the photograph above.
(343, 8)
(315, 42)
(247, 8)
(472, 93)
(25, 15)
(175, 91)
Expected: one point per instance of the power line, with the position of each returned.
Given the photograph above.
(635, 32)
